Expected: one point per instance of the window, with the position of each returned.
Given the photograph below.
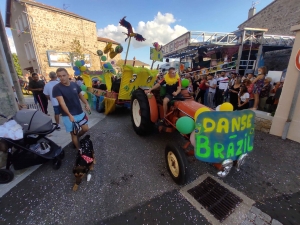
(20, 23)
(26, 51)
(24, 19)
(17, 27)
(31, 51)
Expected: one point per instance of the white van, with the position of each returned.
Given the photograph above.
(166, 66)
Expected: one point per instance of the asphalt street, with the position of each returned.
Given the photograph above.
(131, 185)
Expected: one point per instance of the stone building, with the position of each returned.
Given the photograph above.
(278, 17)
(43, 35)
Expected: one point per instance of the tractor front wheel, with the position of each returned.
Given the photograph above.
(140, 113)
(176, 164)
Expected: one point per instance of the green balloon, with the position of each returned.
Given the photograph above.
(185, 125)
(103, 58)
(109, 66)
(83, 87)
(185, 83)
(78, 63)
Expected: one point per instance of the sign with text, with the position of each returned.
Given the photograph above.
(177, 44)
(156, 55)
(224, 135)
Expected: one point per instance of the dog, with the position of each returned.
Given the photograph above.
(85, 160)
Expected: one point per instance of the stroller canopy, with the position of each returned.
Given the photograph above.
(33, 121)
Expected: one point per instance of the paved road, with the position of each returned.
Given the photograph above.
(130, 184)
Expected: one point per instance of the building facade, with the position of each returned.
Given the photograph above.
(278, 17)
(43, 37)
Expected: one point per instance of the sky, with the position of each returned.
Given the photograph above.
(157, 21)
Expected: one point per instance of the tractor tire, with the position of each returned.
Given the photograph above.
(140, 113)
(177, 164)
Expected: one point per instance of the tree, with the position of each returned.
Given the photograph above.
(17, 65)
(76, 51)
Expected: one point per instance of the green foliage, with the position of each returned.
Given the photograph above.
(17, 64)
(76, 51)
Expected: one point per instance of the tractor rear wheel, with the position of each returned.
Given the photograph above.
(140, 113)
(177, 164)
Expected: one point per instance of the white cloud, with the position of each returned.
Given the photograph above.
(12, 44)
(158, 30)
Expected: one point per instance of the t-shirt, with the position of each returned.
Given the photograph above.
(171, 88)
(36, 84)
(212, 82)
(244, 97)
(48, 91)
(223, 83)
(70, 95)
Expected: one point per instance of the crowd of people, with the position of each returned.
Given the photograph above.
(243, 92)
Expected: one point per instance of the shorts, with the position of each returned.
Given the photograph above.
(170, 97)
(56, 110)
(68, 124)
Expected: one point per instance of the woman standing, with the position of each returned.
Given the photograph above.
(234, 92)
(243, 99)
(264, 94)
(202, 89)
(258, 85)
(248, 84)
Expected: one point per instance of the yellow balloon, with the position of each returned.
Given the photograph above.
(86, 96)
(199, 111)
(82, 68)
(226, 106)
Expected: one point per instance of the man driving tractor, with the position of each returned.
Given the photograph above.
(173, 87)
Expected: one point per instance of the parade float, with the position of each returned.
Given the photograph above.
(118, 87)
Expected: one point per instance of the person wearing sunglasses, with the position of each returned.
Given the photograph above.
(173, 87)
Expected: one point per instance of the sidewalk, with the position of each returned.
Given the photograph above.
(61, 137)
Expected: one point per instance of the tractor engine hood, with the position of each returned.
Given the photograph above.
(189, 108)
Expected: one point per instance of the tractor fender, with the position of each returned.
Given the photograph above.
(153, 108)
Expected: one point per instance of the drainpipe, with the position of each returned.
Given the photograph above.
(292, 110)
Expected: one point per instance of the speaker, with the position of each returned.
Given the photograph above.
(167, 60)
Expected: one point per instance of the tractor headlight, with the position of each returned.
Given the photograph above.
(227, 165)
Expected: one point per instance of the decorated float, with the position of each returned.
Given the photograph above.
(118, 87)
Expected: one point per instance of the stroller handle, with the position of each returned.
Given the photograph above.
(45, 133)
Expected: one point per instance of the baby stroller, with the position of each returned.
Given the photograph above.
(34, 148)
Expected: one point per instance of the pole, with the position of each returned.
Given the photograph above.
(238, 61)
(153, 61)
(292, 110)
(127, 50)
(249, 52)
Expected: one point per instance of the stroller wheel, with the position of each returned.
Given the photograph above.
(6, 176)
(61, 155)
(56, 163)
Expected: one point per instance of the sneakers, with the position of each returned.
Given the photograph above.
(58, 127)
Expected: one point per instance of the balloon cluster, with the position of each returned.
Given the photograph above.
(79, 67)
(157, 46)
(83, 91)
(112, 52)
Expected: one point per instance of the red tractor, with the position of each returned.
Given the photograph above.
(147, 111)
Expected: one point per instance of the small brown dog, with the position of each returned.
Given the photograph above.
(85, 160)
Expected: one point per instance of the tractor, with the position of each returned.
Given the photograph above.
(146, 114)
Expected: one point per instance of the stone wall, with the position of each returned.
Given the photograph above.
(55, 31)
(278, 17)
(277, 60)
(263, 124)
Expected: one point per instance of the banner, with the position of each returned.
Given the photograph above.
(156, 55)
(134, 77)
(224, 135)
(177, 44)
(62, 59)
